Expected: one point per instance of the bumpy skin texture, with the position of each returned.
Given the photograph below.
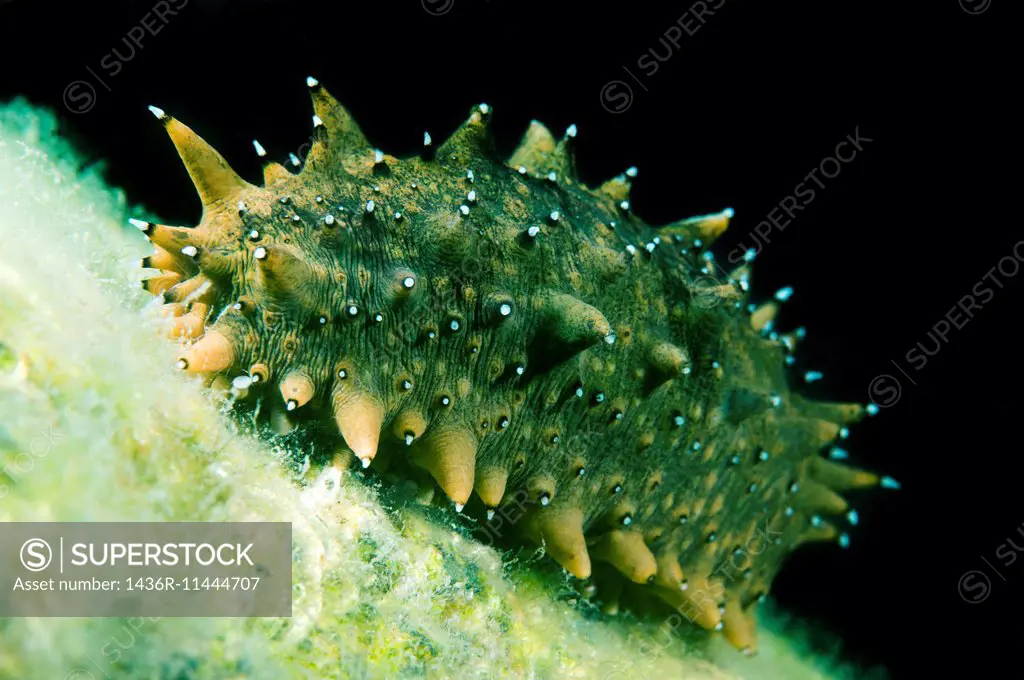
(508, 331)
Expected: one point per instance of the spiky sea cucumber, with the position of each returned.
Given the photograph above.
(508, 331)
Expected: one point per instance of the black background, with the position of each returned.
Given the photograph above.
(738, 116)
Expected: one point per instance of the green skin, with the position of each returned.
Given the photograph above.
(580, 401)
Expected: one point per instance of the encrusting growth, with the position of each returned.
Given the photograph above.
(523, 340)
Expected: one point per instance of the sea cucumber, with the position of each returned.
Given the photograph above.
(506, 330)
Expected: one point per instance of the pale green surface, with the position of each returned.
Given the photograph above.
(376, 594)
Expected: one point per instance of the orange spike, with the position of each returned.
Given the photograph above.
(297, 390)
(359, 416)
(706, 227)
(408, 426)
(259, 373)
(814, 497)
(214, 352)
(739, 627)
(197, 289)
(572, 321)
(471, 139)
(171, 239)
(842, 413)
(173, 310)
(168, 262)
(561, 532)
(535, 149)
(192, 325)
(201, 309)
(344, 135)
(824, 432)
(541, 488)
(213, 178)
(563, 160)
(763, 316)
(617, 188)
(670, 574)
(710, 227)
(841, 477)
(449, 455)
(158, 284)
(702, 595)
(816, 530)
(490, 486)
(627, 552)
(668, 359)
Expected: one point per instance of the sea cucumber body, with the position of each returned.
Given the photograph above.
(523, 340)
